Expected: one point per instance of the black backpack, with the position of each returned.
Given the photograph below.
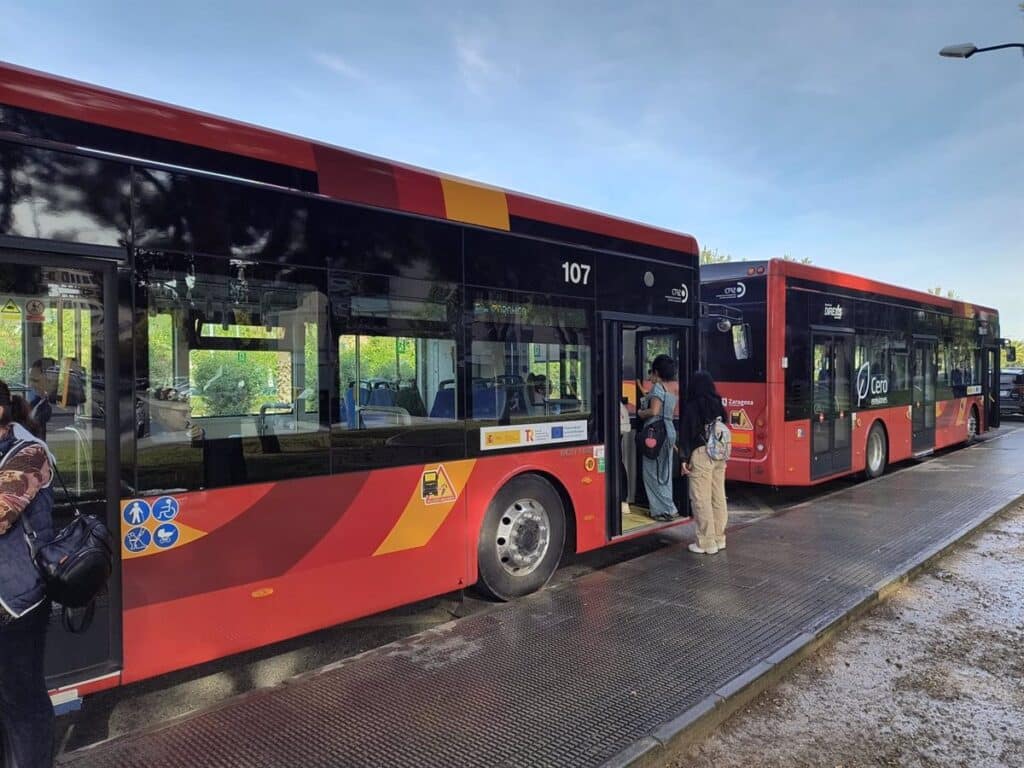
(651, 438)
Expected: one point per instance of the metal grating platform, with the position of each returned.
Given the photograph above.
(576, 674)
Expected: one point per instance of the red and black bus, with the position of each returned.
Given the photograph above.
(827, 374)
(305, 385)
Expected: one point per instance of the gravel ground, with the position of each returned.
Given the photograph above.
(934, 676)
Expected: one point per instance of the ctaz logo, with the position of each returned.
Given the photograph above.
(876, 386)
(681, 294)
(737, 291)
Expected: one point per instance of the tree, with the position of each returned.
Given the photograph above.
(948, 294)
(713, 256)
(804, 260)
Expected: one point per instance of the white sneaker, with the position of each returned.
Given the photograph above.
(722, 545)
(712, 551)
(697, 549)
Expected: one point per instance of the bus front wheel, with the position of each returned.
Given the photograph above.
(521, 538)
(877, 452)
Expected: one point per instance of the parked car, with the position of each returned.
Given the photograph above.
(1011, 392)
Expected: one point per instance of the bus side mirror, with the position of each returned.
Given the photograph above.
(741, 341)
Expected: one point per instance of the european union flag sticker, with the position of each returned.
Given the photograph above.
(557, 433)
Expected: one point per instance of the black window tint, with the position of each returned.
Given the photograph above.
(737, 350)
(798, 356)
(368, 240)
(162, 209)
(60, 196)
(519, 263)
(232, 387)
(398, 398)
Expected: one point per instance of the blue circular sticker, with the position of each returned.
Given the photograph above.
(136, 512)
(166, 535)
(165, 509)
(137, 539)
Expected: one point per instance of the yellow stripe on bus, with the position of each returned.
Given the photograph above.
(474, 204)
(435, 496)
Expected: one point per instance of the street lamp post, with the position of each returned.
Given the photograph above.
(966, 50)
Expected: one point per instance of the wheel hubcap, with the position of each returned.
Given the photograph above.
(876, 452)
(523, 537)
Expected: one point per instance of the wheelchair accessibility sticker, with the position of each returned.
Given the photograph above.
(165, 509)
(151, 527)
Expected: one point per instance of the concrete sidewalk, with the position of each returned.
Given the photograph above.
(607, 669)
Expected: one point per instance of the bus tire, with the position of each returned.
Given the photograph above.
(521, 538)
(876, 452)
(973, 424)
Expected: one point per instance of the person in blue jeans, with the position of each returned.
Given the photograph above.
(657, 473)
(26, 470)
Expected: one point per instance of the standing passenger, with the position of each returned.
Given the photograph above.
(660, 404)
(26, 713)
(707, 476)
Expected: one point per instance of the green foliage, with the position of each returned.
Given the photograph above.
(713, 256)
(380, 357)
(226, 385)
(804, 260)
(948, 294)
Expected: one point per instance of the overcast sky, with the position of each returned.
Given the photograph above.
(822, 129)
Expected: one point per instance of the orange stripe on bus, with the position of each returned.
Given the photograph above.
(474, 204)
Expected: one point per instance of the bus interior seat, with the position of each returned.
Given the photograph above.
(444, 401)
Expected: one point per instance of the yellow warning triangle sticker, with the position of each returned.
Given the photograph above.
(740, 420)
(10, 309)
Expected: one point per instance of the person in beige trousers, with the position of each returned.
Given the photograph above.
(707, 476)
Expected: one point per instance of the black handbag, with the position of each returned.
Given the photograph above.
(77, 563)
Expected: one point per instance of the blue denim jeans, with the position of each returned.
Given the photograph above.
(26, 712)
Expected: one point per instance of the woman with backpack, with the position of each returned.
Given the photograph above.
(26, 713)
(656, 412)
(707, 475)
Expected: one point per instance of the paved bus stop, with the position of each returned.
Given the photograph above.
(609, 668)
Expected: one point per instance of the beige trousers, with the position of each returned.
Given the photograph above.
(707, 499)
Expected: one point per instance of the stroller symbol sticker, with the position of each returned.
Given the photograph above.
(166, 535)
(137, 539)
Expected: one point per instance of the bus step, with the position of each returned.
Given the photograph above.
(922, 454)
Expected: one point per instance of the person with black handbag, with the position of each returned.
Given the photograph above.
(658, 439)
(26, 472)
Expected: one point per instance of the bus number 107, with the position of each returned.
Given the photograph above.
(576, 273)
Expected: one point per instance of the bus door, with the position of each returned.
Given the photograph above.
(990, 376)
(630, 348)
(922, 415)
(832, 422)
(58, 332)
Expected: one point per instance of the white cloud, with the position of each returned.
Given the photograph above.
(478, 70)
(339, 66)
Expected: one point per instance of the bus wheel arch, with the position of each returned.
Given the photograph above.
(876, 450)
(522, 536)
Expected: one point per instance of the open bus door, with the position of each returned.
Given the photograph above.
(630, 347)
(58, 334)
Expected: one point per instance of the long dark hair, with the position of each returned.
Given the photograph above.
(15, 409)
(704, 395)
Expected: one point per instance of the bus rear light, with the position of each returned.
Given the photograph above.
(750, 270)
(759, 423)
(760, 270)
(760, 448)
